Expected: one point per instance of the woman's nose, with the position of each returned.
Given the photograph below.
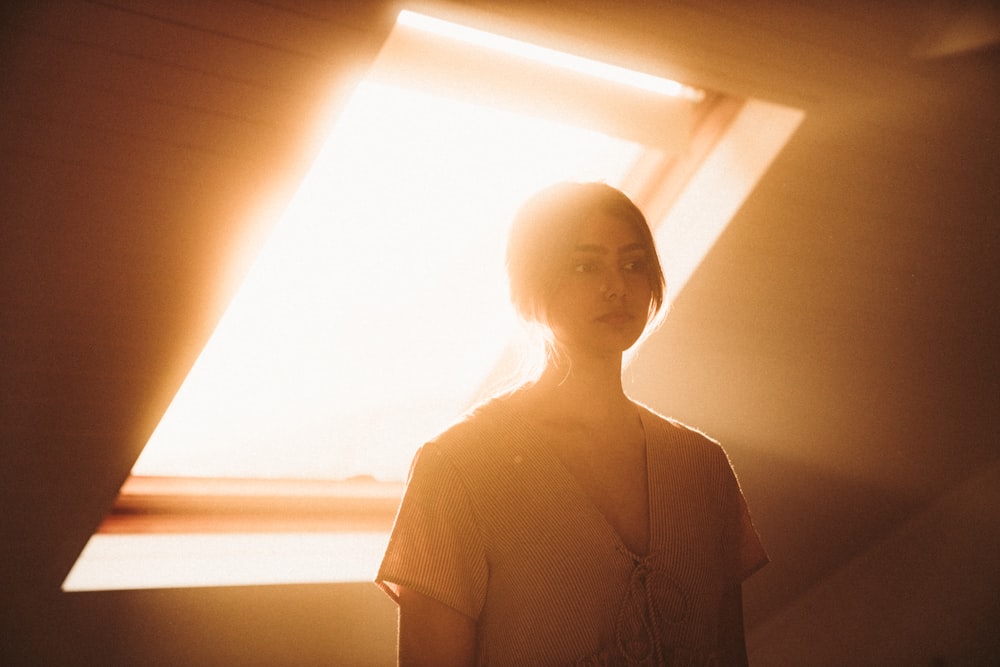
(614, 285)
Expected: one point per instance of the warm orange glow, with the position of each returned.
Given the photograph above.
(122, 562)
(378, 308)
(229, 505)
(540, 54)
(726, 177)
(379, 304)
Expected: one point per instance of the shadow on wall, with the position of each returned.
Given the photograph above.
(252, 626)
(928, 594)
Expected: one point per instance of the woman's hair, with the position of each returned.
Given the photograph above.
(544, 232)
(541, 241)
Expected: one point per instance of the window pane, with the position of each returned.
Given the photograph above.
(379, 305)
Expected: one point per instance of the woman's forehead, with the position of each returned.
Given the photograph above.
(604, 232)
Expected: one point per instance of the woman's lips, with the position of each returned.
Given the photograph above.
(616, 318)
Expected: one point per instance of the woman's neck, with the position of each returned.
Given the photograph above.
(588, 390)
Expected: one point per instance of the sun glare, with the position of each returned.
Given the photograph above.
(378, 306)
(541, 54)
(172, 561)
(377, 311)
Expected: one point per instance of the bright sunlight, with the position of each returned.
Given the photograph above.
(377, 311)
(379, 305)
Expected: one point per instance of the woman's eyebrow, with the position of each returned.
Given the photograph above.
(603, 250)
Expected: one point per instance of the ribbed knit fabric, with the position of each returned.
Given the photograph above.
(493, 525)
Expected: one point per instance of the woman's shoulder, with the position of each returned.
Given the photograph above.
(482, 429)
(670, 432)
(670, 424)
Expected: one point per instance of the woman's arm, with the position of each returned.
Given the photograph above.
(731, 637)
(433, 634)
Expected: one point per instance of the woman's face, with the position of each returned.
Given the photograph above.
(601, 301)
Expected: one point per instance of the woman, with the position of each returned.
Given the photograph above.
(563, 523)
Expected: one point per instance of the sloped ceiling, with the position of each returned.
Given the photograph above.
(841, 339)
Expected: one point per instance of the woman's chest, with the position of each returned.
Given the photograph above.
(613, 477)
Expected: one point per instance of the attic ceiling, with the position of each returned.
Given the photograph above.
(840, 339)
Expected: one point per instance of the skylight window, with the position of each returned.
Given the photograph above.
(377, 312)
(378, 307)
(540, 54)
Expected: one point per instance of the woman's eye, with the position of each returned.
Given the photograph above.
(635, 266)
(585, 267)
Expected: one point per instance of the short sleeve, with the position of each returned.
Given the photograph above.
(435, 547)
(746, 553)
